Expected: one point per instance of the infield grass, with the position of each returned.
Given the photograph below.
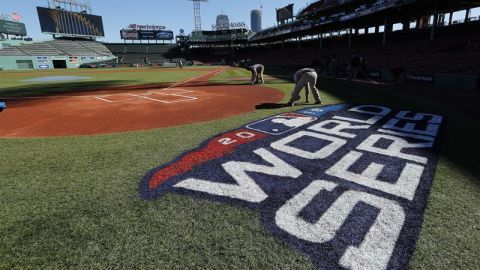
(72, 202)
(16, 83)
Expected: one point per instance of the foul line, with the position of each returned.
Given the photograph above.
(192, 79)
(219, 72)
(144, 97)
(102, 99)
(158, 91)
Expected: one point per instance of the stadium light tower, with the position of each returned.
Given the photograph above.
(196, 14)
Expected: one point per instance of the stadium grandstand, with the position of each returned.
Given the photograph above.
(73, 43)
(238, 36)
(217, 46)
(410, 49)
(408, 36)
(145, 54)
(147, 45)
(60, 53)
(208, 47)
(411, 36)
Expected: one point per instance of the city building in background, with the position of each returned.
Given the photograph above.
(223, 22)
(256, 20)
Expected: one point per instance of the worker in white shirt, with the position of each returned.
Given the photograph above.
(257, 73)
(305, 78)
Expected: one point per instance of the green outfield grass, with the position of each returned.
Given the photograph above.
(73, 202)
(240, 75)
(13, 85)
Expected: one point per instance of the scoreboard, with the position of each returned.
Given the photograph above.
(57, 21)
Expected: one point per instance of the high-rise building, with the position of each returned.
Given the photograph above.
(256, 20)
(223, 22)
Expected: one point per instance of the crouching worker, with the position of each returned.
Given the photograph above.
(257, 73)
(305, 78)
(3, 106)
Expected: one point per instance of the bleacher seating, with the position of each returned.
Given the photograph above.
(70, 48)
(96, 47)
(58, 47)
(133, 59)
(117, 48)
(40, 48)
(412, 50)
(140, 49)
(158, 49)
(12, 51)
(144, 53)
(156, 58)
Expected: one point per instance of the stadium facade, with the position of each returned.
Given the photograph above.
(401, 40)
(60, 53)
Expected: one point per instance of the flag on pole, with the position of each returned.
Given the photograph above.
(16, 17)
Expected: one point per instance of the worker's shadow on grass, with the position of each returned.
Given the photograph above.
(270, 106)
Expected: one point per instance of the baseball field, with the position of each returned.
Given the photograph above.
(77, 147)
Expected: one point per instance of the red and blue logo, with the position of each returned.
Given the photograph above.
(347, 185)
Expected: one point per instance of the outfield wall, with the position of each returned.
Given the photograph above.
(441, 80)
(46, 62)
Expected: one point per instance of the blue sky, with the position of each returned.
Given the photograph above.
(174, 14)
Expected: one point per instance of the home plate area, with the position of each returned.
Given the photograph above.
(166, 96)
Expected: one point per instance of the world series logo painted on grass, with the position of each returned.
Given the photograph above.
(347, 185)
